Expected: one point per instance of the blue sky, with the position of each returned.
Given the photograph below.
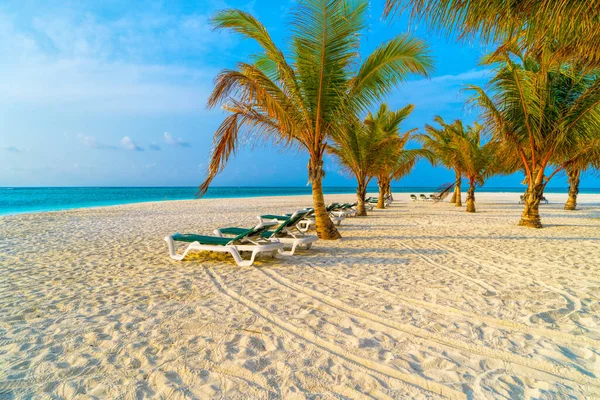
(113, 93)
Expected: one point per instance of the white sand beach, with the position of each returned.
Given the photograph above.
(419, 300)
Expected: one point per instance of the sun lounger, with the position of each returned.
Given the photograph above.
(413, 197)
(388, 199)
(249, 240)
(349, 209)
(309, 220)
(423, 197)
(286, 231)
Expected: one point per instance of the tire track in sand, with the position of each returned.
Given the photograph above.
(441, 309)
(573, 303)
(491, 290)
(332, 348)
(558, 372)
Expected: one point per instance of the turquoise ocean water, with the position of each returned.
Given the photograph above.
(25, 200)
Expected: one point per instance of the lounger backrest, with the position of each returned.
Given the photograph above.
(332, 206)
(256, 231)
(291, 221)
(298, 215)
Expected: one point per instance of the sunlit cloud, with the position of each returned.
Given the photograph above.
(128, 144)
(173, 141)
(92, 143)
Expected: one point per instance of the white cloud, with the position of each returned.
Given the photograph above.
(441, 91)
(173, 141)
(128, 144)
(92, 143)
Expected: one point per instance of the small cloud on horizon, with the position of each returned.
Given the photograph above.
(128, 144)
(172, 140)
(92, 143)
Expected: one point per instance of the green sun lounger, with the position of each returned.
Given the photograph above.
(250, 240)
(286, 231)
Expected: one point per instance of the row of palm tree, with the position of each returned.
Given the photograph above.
(542, 105)
(539, 112)
(374, 148)
(546, 113)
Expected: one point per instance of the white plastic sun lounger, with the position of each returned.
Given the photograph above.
(250, 241)
(336, 216)
(286, 233)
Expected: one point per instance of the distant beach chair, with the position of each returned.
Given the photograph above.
(423, 197)
(388, 199)
(413, 197)
(542, 200)
(349, 209)
(250, 240)
(286, 231)
(336, 214)
(309, 221)
(370, 203)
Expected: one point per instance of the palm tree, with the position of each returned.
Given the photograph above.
(392, 160)
(574, 170)
(440, 151)
(477, 161)
(301, 99)
(363, 147)
(572, 24)
(540, 109)
(355, 149)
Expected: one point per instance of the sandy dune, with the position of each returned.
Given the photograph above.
(420, 300)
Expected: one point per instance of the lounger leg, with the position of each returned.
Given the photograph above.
(172, 252)
(238, 258)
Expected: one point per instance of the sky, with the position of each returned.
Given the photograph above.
(113, 93)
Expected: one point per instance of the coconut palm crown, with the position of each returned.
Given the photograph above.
(570, 24)
(300, 98)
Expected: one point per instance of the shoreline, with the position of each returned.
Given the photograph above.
(488, 197)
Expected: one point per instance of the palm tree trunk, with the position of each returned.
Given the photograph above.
(382, 189)
(388, 189)
(325, 228)
(361, 194)
(471, 196)
(456, 193)
(531, 215)
(573, 175)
